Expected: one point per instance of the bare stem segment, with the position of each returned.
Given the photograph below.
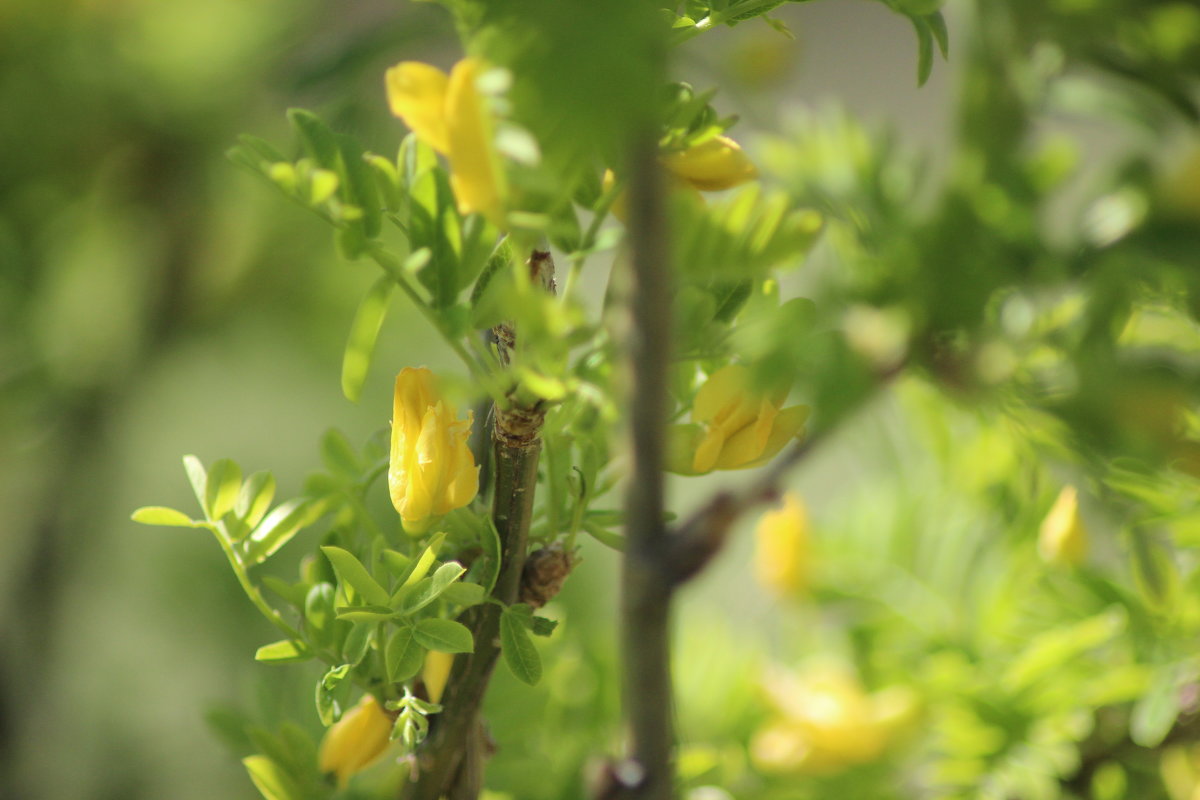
(646, 583)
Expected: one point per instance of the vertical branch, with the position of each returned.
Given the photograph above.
(646, 584)
(450, 762)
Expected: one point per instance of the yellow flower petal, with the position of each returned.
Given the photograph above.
(436, 673)
(788, 425)
(724, 388)
(716, 164)
(782, 552)
(417, 94)
(476, 176)
(431, 470)
(355, 741)
(1062, 538)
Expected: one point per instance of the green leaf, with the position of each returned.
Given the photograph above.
(292, 593)
(1154, 571)
(319, 612)
(358, 642)
(396, 562)
(221, 487)
(519, 652)
(339, 456)
(924, 49)
(464, 594)
(603, 535)
(1155, 713)
(197, 477)
(255, 498)
(283, 651)
(418, 570)
(331, 692)
(387, 181)
(161, 515)
(359, 187)
(280, 526)
(364, 332)
(365, 613)
(271, 780)
(444, 635)
(445, 575)
(319, 142)
(403, 656)
(489, 538)
(937, 25)
(542, 626)
(1056, 648)
(351, 570)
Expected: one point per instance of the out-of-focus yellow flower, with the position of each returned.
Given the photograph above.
(355, 741)
(712, 165)
(436, 672)
(781, 558)
(448, 114)
(431, 471)
(733, 427)
(1062, 538)
(828, 723)
(1179, 766)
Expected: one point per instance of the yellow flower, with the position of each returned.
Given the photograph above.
(733, 426)
(829, 723)
(781, 558)
(355, 741)
(716, 164)
(711, 166)
(1062, 538)
(448, 113)
(431, 470)
(436, 673)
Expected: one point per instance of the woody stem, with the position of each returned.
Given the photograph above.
(450, 761)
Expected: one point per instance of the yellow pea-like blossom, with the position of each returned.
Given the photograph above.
(355, 741)
(712, 165)
(436, 672)
(781, 557)
(828, 723)
(733, 426)
(1062, 538)
(448, 113)
(431, 470)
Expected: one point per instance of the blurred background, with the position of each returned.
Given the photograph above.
(155, 300)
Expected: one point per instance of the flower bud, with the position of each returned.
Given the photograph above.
(436, 673)
(355, 741)
(734, 426)
(431, 470)
(781, 558)
(711, 166)
(1062, 538)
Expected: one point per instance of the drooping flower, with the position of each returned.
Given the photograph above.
(436, 672)
(781, 558)
(449, 114)
(733, 426)
(1062, 538)
(827, 723)
(431, 470)
(355, 741)
(711, 166)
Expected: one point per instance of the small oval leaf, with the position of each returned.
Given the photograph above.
(161, 515)
(283, 651)
(519, 651)
(364, 332)
(403, 656)
(351, 570)
(444, 635)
